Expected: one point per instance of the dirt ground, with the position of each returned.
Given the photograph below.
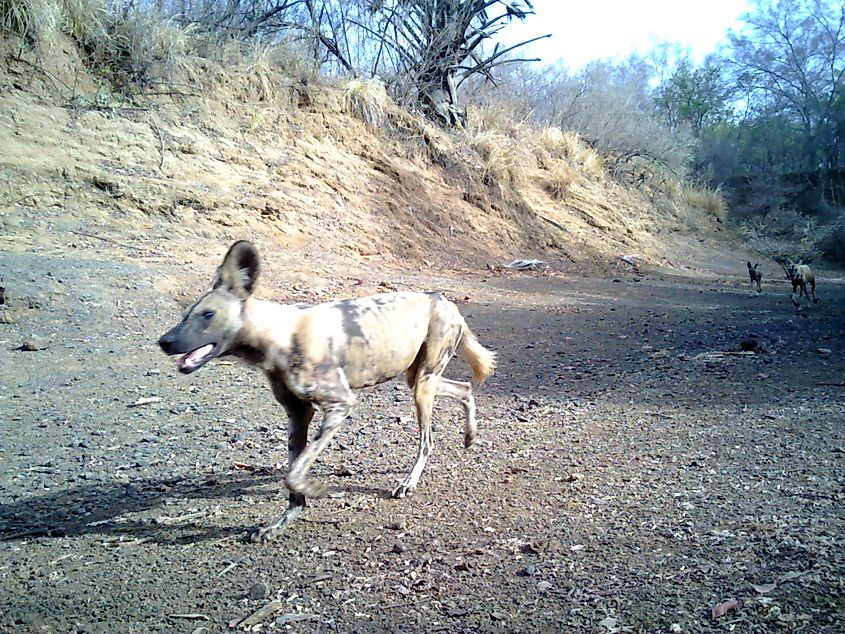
(633, 471)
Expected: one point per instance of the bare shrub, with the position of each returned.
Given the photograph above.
(832, 246)
(786, 233)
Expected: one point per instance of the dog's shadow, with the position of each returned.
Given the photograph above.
(110, 508)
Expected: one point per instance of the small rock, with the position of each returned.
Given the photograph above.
(153, 372)
(544, 586)
(398, 525)
(529, 571)
(260, 590)
(824, 352)
(676, 628)
(399, 548)
(573, 477)
(462, 566)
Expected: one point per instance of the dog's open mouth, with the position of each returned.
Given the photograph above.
(196, 358)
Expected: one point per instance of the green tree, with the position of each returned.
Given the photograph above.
(698, 98)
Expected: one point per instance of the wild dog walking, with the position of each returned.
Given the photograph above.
(314, 356)
(801, 276)
(755, 275)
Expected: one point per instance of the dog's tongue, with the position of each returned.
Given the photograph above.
(192, 358)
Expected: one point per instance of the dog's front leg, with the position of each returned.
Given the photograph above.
(333, 415)
(300, 413)
(334, 397)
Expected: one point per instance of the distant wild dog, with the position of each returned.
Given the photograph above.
(316, 355)
(801, 276)
(755, 275)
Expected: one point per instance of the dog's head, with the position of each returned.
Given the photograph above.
(211, 326)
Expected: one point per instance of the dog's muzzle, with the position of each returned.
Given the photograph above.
(197, 353)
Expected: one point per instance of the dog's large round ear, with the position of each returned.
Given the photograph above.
(239, 270)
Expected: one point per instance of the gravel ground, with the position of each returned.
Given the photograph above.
(630, 477)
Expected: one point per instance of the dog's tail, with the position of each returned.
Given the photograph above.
(481, 360)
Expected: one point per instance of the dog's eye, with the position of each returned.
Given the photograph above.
(208, 314)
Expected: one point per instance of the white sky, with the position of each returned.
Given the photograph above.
(586, 30)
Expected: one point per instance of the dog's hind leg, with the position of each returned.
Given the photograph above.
(299, 413)
(463, 392)
(424, 392)
(426, 371)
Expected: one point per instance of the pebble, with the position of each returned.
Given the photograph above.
(260, 590)
(399, 548)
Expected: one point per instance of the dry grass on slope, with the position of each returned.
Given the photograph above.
(223, 135)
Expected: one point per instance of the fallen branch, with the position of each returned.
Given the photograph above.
(163, 520)
(261, 615)
(721, 354)
(148, 400)
(554, 223)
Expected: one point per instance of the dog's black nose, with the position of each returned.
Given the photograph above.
(166, 342)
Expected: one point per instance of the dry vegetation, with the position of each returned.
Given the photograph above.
(503, 176)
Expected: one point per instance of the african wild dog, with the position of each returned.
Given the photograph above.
(316, 355)
(801, 276)
(755, 275)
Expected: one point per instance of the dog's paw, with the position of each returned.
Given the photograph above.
(308, 488)
(402, 491)
(313, 489)
(264, 534)
(469, 440)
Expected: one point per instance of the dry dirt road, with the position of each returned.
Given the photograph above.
(631, 475)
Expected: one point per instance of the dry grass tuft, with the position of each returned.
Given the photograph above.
(502, 161)
(367, 100)
(553, 144)
(86, 21)
(561, 179)
(558, 143)
(146, 47)
(710, 201)
(31, 20)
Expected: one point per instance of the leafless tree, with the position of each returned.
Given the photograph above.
(432, 46)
